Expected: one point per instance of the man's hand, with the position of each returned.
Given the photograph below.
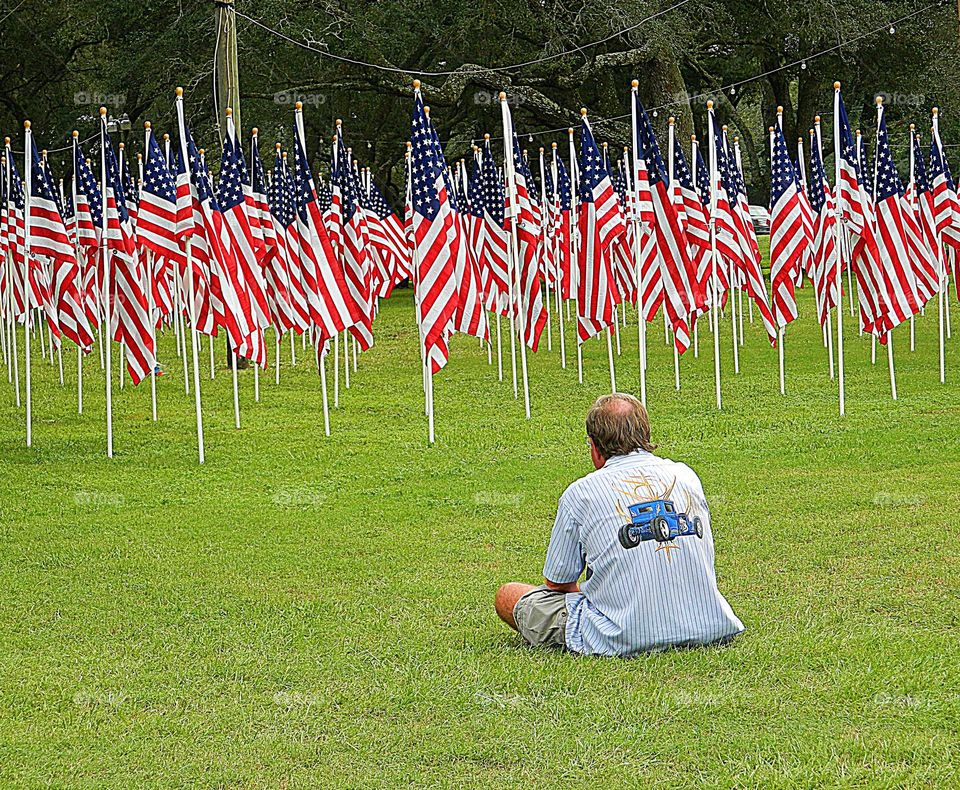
(569, 587)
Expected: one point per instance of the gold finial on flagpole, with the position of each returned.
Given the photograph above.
(76, 134)
(416, 85)
(147, 125)
(103, 112)
(709, 104)
(836, 85)
(254, 131)
(179, 93)
(634, 83)
(583, 111)
(229, 112)
(671, 121)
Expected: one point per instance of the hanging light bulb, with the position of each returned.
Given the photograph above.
(892, 30)
(733, 90)
(803, 65)
(529, 138)
(655, 113)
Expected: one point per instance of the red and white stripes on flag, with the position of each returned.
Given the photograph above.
(788, 239)
(127, 300)
(600, 222)
(432, 225)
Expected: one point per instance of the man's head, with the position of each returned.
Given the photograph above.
(616, 425)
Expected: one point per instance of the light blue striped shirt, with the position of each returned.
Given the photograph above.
(640, 593)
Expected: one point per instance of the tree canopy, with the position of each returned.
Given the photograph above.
(61, 60)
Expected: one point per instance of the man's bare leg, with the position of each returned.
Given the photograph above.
(506, 599)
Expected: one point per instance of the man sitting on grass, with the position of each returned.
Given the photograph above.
(640, 528)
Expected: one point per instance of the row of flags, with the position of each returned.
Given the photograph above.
(895, 235)
(129, 248)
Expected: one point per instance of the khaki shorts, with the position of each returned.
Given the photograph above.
(541, 617)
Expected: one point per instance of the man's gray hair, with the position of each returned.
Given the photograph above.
(618, 424)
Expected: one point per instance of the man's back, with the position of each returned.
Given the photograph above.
(641, 526)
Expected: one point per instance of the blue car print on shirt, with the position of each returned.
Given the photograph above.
(657, 520)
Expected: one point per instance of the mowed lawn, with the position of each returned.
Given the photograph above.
(305, 611)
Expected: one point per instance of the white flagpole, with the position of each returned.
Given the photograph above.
(779, 328)
(558, 267)
(27, 189)
(840, 247)
(122, 350)
(76, 252)
(510, 172)
(635, 219)
(671, 142)
(944, 281)
(912, 190)
(815, 139)
(149, 268)
(893, 375)
(712, 151)
(545, 240)
(191, 295)
(575, 252)
(415, 268)
(107, 320)
(734, 277)
(693, 168)
(616, 313)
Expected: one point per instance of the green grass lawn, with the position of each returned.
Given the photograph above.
(305, 611)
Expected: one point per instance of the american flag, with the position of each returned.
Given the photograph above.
(856, 212)
(67, 282)
(470, 317)
(600, 223)
(283, 270)
(495, 258)
(946, 205)
(48, 232)
(682, 291)
(825, 280)
(229, 299)
(235, 204)
(332, 306)
(740, 240)
(924, 255)
(563, 256)
(526, 216)
(473, 199)
(696, 223)
(624, 263)
(432, 224)
(788, 240)
(88, 206)
(127, 300)
(901, 282)
(355, 237)
(924, 211)
(387, 237)
(157, 222)
(46, 237)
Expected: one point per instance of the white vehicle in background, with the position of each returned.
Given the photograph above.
(761, 220)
